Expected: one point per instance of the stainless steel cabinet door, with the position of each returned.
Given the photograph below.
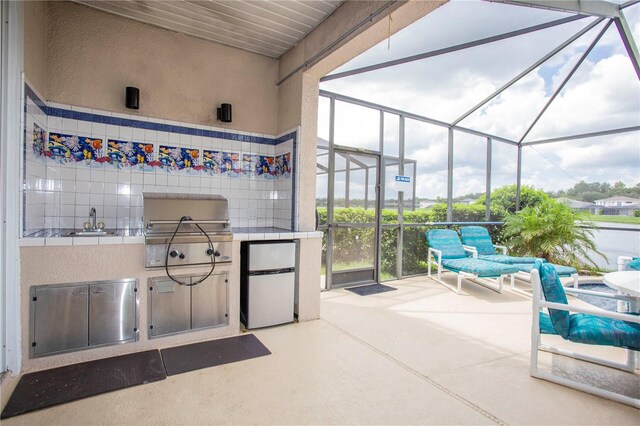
(209, 302)
(169, 307)
(112, 313)
(61, 319)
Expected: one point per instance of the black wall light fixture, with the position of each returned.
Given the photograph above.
(132, 98)
(224, 113)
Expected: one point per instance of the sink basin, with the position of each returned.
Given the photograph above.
(98, 233)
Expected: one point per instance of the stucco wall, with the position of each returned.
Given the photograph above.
(35, 41)
(92, 56)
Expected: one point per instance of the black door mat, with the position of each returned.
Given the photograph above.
(367, 290)
(65, 384)
(195, 356)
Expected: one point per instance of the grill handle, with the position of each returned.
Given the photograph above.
(150, 223)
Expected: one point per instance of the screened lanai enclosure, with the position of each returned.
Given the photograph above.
(477, 95)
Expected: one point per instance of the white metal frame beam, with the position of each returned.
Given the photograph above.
(450, 49)
(406, 114)
(566, 80)
(584, 135)
(535, 65)
(629, 43)
(591, 8)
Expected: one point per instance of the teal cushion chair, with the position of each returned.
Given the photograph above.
(446, 248)
(582, 325)
(478, 238)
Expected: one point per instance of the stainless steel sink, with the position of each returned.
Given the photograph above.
(98, 233)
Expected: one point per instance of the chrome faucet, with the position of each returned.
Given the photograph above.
(92, 218)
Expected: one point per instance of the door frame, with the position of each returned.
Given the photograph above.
(331, 226)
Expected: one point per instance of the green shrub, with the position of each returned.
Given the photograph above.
(553, 231)
(353, 245)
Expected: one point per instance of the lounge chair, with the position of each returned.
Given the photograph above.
(477, 238)
(445, 246)
(587, 326)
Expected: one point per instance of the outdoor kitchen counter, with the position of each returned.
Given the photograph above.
(251, 234)
(49, 260)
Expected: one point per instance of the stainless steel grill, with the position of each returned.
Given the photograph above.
(188, 222)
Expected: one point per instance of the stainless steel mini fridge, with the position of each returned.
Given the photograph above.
(267, 283)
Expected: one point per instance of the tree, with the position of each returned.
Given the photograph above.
(503, 199)
(552, 231)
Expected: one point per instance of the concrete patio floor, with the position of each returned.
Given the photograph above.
(418, 355)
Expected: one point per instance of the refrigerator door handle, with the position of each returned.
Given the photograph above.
(272, 272)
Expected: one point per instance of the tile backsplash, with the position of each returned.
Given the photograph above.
(76, 158)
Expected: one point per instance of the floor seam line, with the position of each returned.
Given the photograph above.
(427, 379)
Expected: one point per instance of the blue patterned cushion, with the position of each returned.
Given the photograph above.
(481, 268)
(478, 237)
(554, 292)
(447, 241)
(546, 326)
(510, 260)
(563, 271)
(634, 265)
(596, 330)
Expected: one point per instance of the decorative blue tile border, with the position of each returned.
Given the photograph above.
(150, 125)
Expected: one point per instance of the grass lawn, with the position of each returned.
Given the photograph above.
(613, 219)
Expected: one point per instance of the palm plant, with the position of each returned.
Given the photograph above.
(553, 231)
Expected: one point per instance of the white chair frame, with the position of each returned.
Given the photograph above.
(437, 254)
(538, 304)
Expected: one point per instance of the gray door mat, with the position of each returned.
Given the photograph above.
(367, 290)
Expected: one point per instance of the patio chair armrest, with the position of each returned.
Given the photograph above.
(437, 255)
(622, 262)
(472, 250)
(591, 311)
(503, 248)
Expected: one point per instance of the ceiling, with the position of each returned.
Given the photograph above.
(267, 27)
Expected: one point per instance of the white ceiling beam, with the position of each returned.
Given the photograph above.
(582, 7)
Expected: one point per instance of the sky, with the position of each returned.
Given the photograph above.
(604, 93)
